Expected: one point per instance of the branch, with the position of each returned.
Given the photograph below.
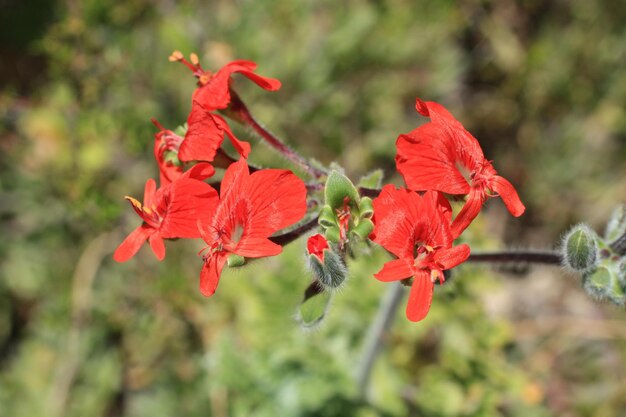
(239, 111)
(536, 257)
(289, 237)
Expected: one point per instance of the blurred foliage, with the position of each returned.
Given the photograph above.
(540, 84)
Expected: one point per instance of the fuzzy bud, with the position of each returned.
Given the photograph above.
(616, 226)
(327, 267)
(604, 283)
(314, 306)
(580, 249)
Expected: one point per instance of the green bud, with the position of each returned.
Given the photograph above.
(327, 217)
(372, 180)
(366, 208)
(580, 249)
(235, 260)
(604, 283)
(332, 272)
(338, 187)
(616, 226)
(364, 228)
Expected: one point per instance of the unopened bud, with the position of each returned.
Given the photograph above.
(604, 283)
(580, 250)
(326, 265)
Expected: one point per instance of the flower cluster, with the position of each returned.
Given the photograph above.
(249, 207)
(415, 224)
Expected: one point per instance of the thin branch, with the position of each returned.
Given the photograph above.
(535, 257)
(375, 335)
(289, 237)
(240, 112)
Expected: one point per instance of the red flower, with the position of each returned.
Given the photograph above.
(315, 245)
(170, 212)
(250, 210)
(213, 91)
(166, 141)
(205, 134)
(441, 155)
(417, 230)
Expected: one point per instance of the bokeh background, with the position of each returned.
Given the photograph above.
(541, 84)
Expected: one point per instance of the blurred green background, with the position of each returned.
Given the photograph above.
(542, 85)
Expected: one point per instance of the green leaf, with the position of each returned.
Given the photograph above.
(364, 228)
(372, 179)
(313, 308)
(366, 208)
(338, 187)
(328, 217)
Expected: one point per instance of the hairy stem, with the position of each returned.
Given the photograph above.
(240, 112)
(289, 237)
(535, 257)
(619, 245)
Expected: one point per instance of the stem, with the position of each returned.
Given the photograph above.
(289, 237)
(369, 192)
(536, 257)
(375, 335)
(241, 113)
(619, 245)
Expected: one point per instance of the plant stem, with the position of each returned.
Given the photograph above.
(535, 257)
(619, 245)
(375, 335)
(289, 237)
(240, 112)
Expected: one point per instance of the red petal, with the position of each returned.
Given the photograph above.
(270, 84)
(427, 159)
(437, 113)
(256, 247)
(395, 270)
(215, 94)
(315, 245)
(200, 171)
(210, 274)
(203, 138)
(449, 258)
(129, 247)
(506, 190)
(242, 148)
(420, 297)
(187, 201)
(396, 218)
(278, 200)
(470, 210)
(157, 246)
(149, 193)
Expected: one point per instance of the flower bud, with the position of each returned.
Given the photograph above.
(327, 267)
(604, 283)
(580, 249)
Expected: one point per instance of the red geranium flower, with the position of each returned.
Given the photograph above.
(170, 212)
(250, 210)
(213, 91)
(417, 230)
(441, 155)
(166, 141)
